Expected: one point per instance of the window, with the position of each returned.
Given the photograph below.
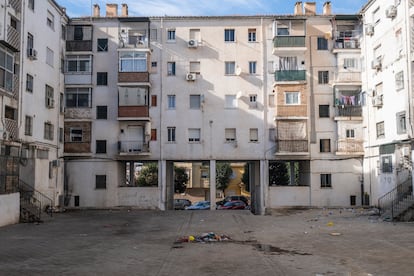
(10, 113)
(100, 146)
(380, 130)
(376, 15)
(401, 123)
(171, 101)
(386, 164)
(230, 134)
(195, 67)
(61, 103)
(171, 134)
(322, 43)
(102, 45)
(292, 98)
(50, 21)
(153, 64)
(49, 96)
(48, 131)
(194, 135)
(399, 80)
(28, 125)
(350, 63)
(153, 134)
(75, 135)
(254, 135)
(325, 145)
(252, 67)
(13, 22)
(288, 63)
(154, 35)
(102, 112)
(6, 70)
(252, 35)
(31, 4)
(63, 32)
(154, 100)
(133, 62)
(79, 64)
(101, 78)
(78, 97)
(29, 83)
(195, 102)
(100, 182)
(61, 135)
(230, 101)
(171, 68)
(42, 154)
(350, 133)
(253, 101)
(323, 111)
(171, 35)
(230, 68)
(229, 35)
(323, 77)
(271, 101)
(49, 56)
(30, 42)
(326, 181)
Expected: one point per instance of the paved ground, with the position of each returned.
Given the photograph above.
(288, 242)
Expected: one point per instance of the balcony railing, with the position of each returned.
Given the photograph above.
(289, 41)
(348, 111)
(133, 147)
(287, 146)
(78, 45)
(290, 75)
(350, 146)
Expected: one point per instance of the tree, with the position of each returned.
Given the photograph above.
(148, 176)
(223, 173)
(278, 174)
(246, 177)
(180, 179)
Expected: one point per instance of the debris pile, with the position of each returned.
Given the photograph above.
(205, 237)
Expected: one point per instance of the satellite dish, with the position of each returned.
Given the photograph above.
(238, 71)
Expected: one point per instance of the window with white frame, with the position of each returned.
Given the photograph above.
(230, 101)
(350, 63)
(401, 123)
(254, 135)
(75, 134)
(133, 62)
(229, 35)
(6, 70)
(350, 133)
(171, 134)
(48, 131)
(288, 63)
(253, 101)
(230, 134)
(399, 80)
(292, 98)
(49, 56)
(195, 67)
(78, 97)
(194, 135)
(133, 96)
(50, 21)
(195, 101)
(171, 35)
(252, 67)
(323, 77)
(28, 125)
(79, 64)
(230, 68)
(251, 35)
(171, 101)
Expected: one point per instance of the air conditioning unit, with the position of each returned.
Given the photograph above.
(369, 29)
(192, 43)
(191, 77)
(391, 12)
(31, 53)
(50, 102)
(56, 163)
(376, 64)
(377, 101)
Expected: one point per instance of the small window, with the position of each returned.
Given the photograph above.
(101, 78)
(323, 111)
(195, 102)
(252, 101)
(31, 4)
(48, 131)
(102, 45)
(326, 181)
(254, 135)
(153, 34)
(252, 35)
(401, 123)
(154, 100)
(322, 43)
(194, 135)
(272, 100)
(102, 112)
(28, 126)
(399, 80)
(195, 67)
(171, 68)
(350, 133)
(230, 134)
(292, 98)
(323, 77)
(171, 101)
(154, 64)
(171, 134)
(386, 164)
(325, 145)
(230, 68)
(229, 35)
(100, 182)
(50, 21)
(61, 135)
(252, 67)
(49, 56)
(380, 130)
(350, 63)
(171, 35)
(230, 101)
(29, 83)
(76, 135)
(100, 146)
(154, 134)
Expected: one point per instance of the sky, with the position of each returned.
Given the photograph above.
(78, 8)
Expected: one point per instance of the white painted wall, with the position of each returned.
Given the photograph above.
(141, 197)
(283, 196)
(9, 209)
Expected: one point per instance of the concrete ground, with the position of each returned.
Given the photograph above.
(136, 242)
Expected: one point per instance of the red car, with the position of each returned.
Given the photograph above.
(232, 205)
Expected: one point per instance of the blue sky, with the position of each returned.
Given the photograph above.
(76, 8)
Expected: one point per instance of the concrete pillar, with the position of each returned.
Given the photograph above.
(212, 184)
(264, 185)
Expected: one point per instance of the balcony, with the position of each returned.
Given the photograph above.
(133, 112)
(290, 75)
(79, 38)
(291, 146)
(353, 78)
(282, 44)
(349, 146)
(348, 111)
(11, 127)
(348, 39)
(292, 110)
(133, 147)
(133, 77)
(79, 45)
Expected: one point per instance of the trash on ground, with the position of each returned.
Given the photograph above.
(330, 223)
(335, 234)
(205, 237)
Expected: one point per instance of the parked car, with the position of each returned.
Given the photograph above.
(232, 205)
(200, 205)
(181, 203)
(232, 198)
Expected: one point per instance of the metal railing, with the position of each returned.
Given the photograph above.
(290, 75)
(391, 200)
(348, 111)
(33, 202)
(289, 41)
(133, 147)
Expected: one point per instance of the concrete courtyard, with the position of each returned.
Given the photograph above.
(136, 242)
